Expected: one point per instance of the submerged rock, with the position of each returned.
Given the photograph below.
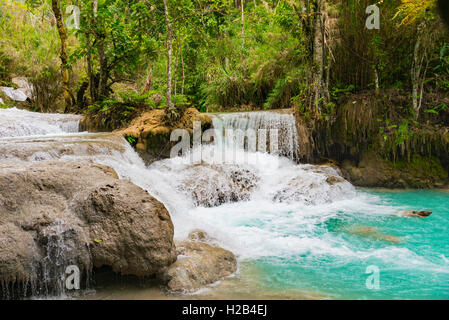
(198, 265)
(56, 214)
(373, 233)
(416, 213)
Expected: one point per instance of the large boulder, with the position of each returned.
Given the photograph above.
(54, 214)
(199, 264)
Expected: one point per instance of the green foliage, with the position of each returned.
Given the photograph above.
(219, 61)
(117, 113)
(260, 69)
(338, 92)
(437, 109)
(131, 140)
(29, 48)
(117, 39)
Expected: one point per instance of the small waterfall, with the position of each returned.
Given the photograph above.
(19, 123)
(266, 126)
(60, 253)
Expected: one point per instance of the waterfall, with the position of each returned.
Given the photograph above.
(265, 126)
(300, 220)
(18, 123)
(255, 182)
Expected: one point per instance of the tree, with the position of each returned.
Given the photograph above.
(169, 56)
(115, 36)
(63, 55)
(419, 13)
(312, 15)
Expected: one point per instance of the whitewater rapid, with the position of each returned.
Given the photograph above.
(266, 182)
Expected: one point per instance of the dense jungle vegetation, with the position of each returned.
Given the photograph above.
(113, 59)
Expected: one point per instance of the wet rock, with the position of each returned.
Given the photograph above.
(198, 265)
(56, 214)
(418, 214)
(334, 180)
(213, 185)
(315, 185)
(198, 235)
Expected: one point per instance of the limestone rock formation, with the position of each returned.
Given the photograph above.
(152, 135)
(198, 265)
(316, 185)
(54, 214)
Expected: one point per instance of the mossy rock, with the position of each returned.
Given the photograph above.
(374, 171)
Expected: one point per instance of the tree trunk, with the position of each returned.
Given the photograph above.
(175, 75)
(242, 4)
(64, 61)
(101, 91)
(148, 82)
(92, 84)
(319, 59)
(417, 77)
(169, 55)
(183, 73)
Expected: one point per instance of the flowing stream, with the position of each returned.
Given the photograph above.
(298, 230)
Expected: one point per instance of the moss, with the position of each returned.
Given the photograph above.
(157, 141)
(427, 165)
(426, 171)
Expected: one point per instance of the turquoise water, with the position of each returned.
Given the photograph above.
(415, 268)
